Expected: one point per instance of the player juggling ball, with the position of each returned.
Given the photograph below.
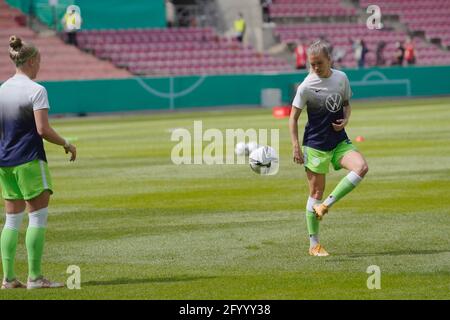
(325, 93)
(24, 175)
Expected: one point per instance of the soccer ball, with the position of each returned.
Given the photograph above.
(252, 146)
(264, 160)
(241, 149)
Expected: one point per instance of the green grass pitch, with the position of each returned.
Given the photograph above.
(140, 227)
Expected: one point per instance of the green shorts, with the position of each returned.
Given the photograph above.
(319, 161)
(25, 181)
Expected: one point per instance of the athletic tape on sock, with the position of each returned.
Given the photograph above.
(38, 219)
(354, 178)
(310, 203)
(14, 221)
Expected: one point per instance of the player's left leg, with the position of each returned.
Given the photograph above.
(35, 239)
(14, 207)
(358, 168)
(36, 187)
(15, 210)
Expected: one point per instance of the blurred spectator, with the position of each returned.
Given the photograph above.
(410, 55)
(170, 13)
(239, 27)
(399, 54)
(338, 56)
(380, 60)
(265, 4)
(71, 23)
(301, 57)
(360, 50)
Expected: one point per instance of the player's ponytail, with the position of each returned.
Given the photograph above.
(20, 51)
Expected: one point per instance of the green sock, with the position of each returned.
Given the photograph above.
(347, 184)
(312, 223)
(313, 228)
(8, 241)
(35, 239)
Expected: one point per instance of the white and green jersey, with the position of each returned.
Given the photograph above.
(324, 99)
(19, 140)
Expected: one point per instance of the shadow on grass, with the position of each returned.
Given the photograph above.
(393, 253)
(142, 281)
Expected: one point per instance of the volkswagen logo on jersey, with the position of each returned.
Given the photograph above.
(334, 102)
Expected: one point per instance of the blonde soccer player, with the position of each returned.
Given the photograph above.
(325, 93)
(24, 175)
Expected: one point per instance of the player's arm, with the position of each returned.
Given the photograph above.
(293, 129)
(341, 123)
(48, 133)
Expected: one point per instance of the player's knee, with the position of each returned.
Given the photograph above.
(316, 194)
(363, 169)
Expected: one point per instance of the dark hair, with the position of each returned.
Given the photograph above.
(20, 51)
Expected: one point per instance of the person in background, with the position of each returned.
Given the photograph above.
(360, 50)
(338, 56)
(239, 27)
(410, 55)
(301, 57)
(380, 60)
(170, 14)
(399, 54)
(72, 23)
(265, 5)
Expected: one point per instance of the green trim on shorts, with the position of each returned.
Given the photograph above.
(25, 181)
(319, 161)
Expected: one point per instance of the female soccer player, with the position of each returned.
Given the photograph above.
(326, 93)
(24, 176)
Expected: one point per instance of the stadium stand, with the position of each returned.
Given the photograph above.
(177, 51)
(341, 34)
(317, 8)
(59, 61)
(431, 16)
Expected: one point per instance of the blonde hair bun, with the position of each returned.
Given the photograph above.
(15, 43)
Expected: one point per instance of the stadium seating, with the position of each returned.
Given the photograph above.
(341, 35)
(292, 8)
(426, 54)
(430, 16)
(177, 51)
(58, 60)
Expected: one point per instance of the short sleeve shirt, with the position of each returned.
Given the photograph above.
(19, 140)
(324, 99)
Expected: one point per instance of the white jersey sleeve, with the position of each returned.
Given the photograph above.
(300, 98)
(347, 90)
(39, 99)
